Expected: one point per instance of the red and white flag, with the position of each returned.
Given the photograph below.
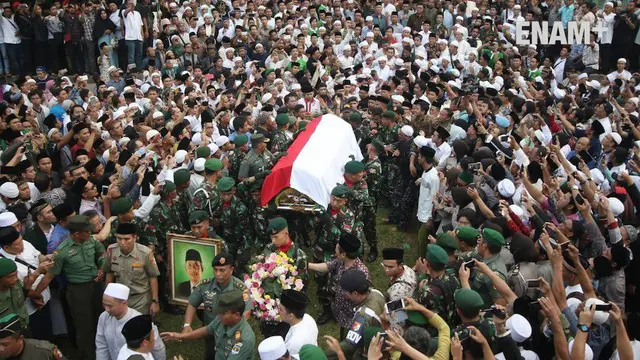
(314, 163)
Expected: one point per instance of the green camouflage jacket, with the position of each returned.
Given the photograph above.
(255, 163)
(437, 295)
(373, 171)
(207, 198)
(328, 233)
(165, 219)
(236, 225)
(235, 159)
(280, 142)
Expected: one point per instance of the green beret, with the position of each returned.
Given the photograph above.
(181, 177)
(198, 216)
(466, 177)
(10, 324)
(369, 333)
(437, 255)
(355, 116)
(311, 352)
(168, 187)
(447, 241)
(341, 191)
(203, 152)
(226, 184)
(493, 237)
(467, 299)
(7, 266)
(416, 318)
(276, 225)
(240, 140)
(122, 206)
(256, 185)
(292, 120)
(467, 234)
(302, 125)
(213, 164)
(353, 167)
(378, 145)
(282, 119)
(389, 114)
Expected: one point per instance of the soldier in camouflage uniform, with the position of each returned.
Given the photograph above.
(331, 224)
(489, 249)
(360, 130)
(200, 228)
(207, 197)
(182, 179)
(280, 241)
(123, 208)
(437, 293)
(280, 142)
(468, 239)
(388, 135)
(165, 218)
(239, 153)
(354, 179)
(249, 192)
(450, 244)
(373, 174)
(235, 223)
(17, 346)
(259, 158)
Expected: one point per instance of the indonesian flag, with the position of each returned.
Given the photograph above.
(314, 163)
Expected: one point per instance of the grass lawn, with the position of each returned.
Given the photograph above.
(387, 237)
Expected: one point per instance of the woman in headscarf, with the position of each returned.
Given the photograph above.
(104, 31)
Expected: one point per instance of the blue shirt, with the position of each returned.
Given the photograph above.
(58, 235)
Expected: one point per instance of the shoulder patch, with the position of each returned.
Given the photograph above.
(112, 246)
(238, 335)
(236, 348)
(205, 281)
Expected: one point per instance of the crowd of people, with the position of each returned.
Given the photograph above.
(518, 167)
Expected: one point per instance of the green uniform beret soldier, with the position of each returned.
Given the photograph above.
(226, 184)
(447, 241)
(122, 206)
(282, 119)
(198, 216)
(240, 140)
(468, 234)
(341, 191)
(7, 266)
(181, 177)
(213, 164)
(437, 255)
(389, 115)
(466, 177)
(168, 187)
(203, 152)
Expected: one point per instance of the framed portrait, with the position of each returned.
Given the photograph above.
(190, 262)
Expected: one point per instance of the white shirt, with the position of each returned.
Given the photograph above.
(429, 187)
(133, 26)
(30, 255)
(110, 341)
(624, 75)
(607, 23)
(558, 69)
(196, 124)
(312, 107)
(635, 346)
(442, 152)
(125, 352)
(9, 28)
(606, 124)
(304, 332)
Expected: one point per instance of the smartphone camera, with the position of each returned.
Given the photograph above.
(395, 305)
(604, 307)
(533, 284)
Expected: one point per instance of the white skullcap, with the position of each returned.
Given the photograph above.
(600, 317)
(635, 101)
(616, 137)
(407, 130)
(157, 114)
(588, 352)
(117, 114)
(559, 93)
(459, 17)
(369, 18)
(151, 133)
(80, 78)
(517, 7)
(399, 62)
(583, 76)
(420, 141)
(51, 132)
(434, 68)
(517, 210)
(597, 176)
(221, 140)
(406, 28)
(369, 34)
(8, 218)
(266, 97)
(616, 206)
(506, 188)
(123, 141)
(398, 98)
(520, 328)
(622, 60)
(9, 190)
(296, 87)
(67, 104)
(145, 88)
(181, 155)
(196, 138)
(407, 40)
(106, 154)
(573, 303)
(594, 84)
(198, 164)
(139, 82)
(214, 148)
(454, 43)
(117, 291)
(272, 348)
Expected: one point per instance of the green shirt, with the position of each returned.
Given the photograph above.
(79, 262)
(12, 302)
(207, 292)
(233, 343)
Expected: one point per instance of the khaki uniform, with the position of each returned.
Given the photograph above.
(79, 263)
(134, 270)
(233, 343)
(39, 350)
(12, 302)
(483, 285)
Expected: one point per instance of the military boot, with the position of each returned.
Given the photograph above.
(326, 315)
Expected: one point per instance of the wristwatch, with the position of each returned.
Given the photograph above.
(154, 300)
(583, 328)
(186, 325)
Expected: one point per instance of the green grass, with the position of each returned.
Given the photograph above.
(194, 350)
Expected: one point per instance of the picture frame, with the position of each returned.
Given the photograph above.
(185, 252)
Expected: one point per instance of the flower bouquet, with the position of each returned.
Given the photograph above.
(270, 275)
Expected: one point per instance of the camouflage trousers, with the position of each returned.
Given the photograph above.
(242, 256)
(369, 220)
(390, 172)
(300, 225)
(405, 197)
(324, 290)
